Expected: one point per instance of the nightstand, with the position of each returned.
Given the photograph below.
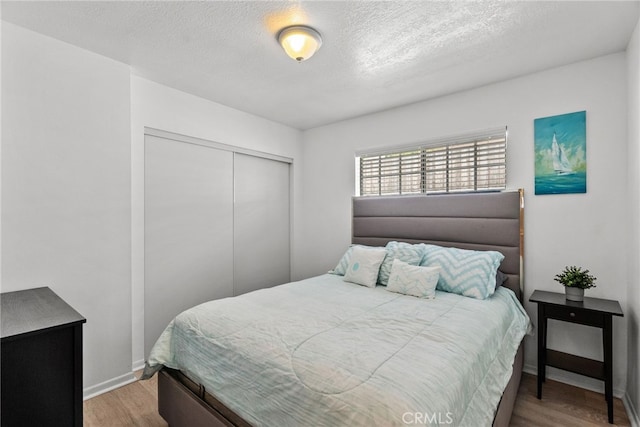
(594, 312)
(41, 360)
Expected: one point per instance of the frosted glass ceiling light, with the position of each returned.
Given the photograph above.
(300, 42)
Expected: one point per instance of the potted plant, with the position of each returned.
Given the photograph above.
(575, 280)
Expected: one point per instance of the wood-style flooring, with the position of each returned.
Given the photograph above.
(561, 405)
(135, 404)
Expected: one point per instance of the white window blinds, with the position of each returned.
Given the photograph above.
(475, 162)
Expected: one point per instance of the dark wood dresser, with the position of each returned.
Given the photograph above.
(41, 352)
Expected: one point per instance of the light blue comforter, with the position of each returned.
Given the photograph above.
(323, 352)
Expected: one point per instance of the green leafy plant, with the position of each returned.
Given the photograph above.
(575, 277)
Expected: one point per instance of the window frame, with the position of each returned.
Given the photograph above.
(480, 159)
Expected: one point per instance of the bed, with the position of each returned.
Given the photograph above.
(327, 352)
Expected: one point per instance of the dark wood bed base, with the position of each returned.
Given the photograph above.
(447, 220)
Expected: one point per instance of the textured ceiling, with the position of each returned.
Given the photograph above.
(375, 55)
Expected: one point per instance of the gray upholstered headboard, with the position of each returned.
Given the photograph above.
(480, 221)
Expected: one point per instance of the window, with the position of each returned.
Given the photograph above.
(474, 162)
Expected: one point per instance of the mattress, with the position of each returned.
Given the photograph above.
(324, 352)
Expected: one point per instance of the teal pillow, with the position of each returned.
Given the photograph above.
(464, 272)
(406, 252)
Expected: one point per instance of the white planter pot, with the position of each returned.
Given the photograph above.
(574, 294)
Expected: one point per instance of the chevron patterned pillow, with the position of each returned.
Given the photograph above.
(464, 272)
(343, 264)
(411, 254)
(413, 280)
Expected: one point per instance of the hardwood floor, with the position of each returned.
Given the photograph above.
(135, 404)
(561, 405)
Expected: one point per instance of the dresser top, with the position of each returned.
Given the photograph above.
(33, 310)
(593, 304)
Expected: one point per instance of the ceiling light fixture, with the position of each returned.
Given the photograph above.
(299, 41)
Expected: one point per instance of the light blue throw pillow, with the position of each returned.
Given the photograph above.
(341, 268)
(413, 280)
(406, 252)
(464, 272)
(343, 264)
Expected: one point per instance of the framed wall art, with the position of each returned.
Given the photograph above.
(560, 144)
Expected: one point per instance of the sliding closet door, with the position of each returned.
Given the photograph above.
(188, 229)
(261, 223)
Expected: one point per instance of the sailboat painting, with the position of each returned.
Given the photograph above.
(561, 154)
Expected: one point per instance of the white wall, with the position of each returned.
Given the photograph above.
(157, 106)
(66, 189)
(583, 229)
(73, 183)
(1, 38)
(633, 272)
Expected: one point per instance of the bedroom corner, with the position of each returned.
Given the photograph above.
(632, 396)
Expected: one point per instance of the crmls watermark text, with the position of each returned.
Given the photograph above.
(427, 418)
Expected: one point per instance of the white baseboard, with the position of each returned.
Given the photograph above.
(138, 365)
(574, 380)
(109, 385)
(632, 411)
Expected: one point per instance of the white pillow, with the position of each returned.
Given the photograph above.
(364, 266)
(413, 280)
(343, 264)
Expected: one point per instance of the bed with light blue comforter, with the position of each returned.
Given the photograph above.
(323, 352)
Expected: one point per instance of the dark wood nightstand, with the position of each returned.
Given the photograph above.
(594, 312)
(41, 360)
